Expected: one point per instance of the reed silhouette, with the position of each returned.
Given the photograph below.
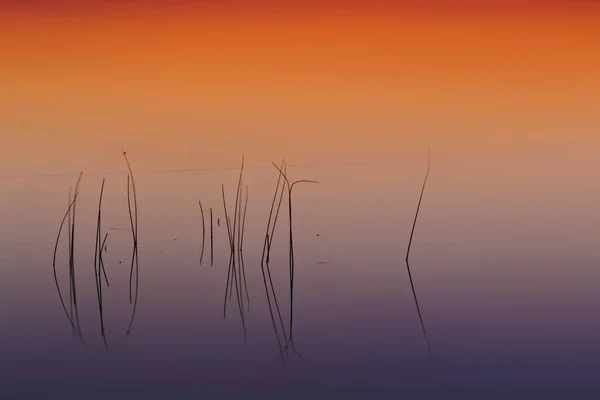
(292, 266)
(203, 232)
(240, 244)
(236, 277)
(281, 336)
(133, 219)
(412, 232)
(73, 312)
(236, 234)
(70, 240)
(211, 238)
(99, 270)
(271, 234)
(235, 220)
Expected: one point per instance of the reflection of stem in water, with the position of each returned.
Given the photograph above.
(240, 250)
(229, 272)
(133, 219)
(104, 246)
(235, 271)
(265, 269)
(292, 266)
(72, 262)
(211, 238)
(236, 232)
(99, 265)
(75, 326)
(203, 232)
(133, 238)
(70, 238)
(408, 253)
(269, 245)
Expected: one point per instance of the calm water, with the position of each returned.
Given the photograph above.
(504, 260)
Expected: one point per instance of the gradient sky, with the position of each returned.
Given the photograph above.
(95, 76)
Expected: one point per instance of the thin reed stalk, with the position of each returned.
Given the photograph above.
(133, 218)
(265, 269)
(211, 238)
(412, 232)
(279, 203)
(236, 230)
(236, 271)
(75, 326)
(229, 269)
(72, 279)
(240, 250)
(292, 267)
(70, 239)
(99, 265)
(203, 232)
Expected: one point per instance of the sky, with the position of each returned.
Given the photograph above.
(308, 79)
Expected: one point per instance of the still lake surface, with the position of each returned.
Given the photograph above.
(504, 260)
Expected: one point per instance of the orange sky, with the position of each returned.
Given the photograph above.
(257, 72)
(135, 54)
